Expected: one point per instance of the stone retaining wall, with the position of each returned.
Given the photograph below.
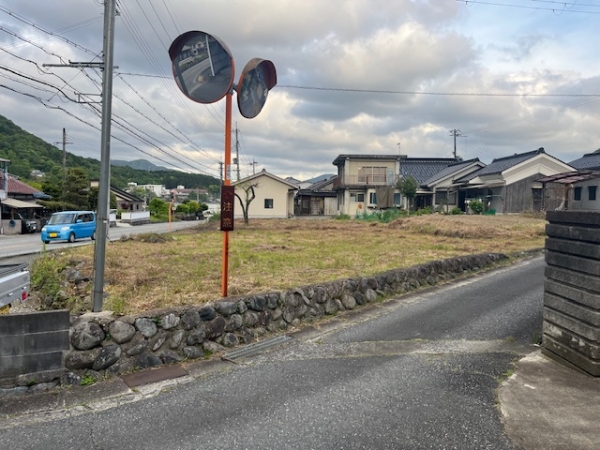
(104, 345)
(572, 289)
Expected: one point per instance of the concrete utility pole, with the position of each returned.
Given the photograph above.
(104, 186)
(253, 164)
(102, 221)
(64, 161)
(456, 133)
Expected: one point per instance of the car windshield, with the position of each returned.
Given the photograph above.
(57, 219)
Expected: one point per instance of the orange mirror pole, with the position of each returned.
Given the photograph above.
(226, 182)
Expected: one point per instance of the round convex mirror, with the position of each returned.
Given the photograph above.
(257, 78)
(202, 66)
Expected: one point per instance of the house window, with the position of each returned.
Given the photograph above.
(268, 203)
(537, 194)
(397, 199)
(373, 198)
(441, 197)
(592, 192)
(356, 197)
(577, 194)
(372, 175)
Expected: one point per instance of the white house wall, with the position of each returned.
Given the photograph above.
(541, 164)
(584, 203)
(268, 188)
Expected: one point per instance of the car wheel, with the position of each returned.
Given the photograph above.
(72, 237)
(94, 236)
(46, 242)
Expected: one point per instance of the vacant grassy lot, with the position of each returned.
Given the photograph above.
(180, 268)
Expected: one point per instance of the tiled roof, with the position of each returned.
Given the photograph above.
(17, 187)
(499, 165)
(341, 158)
(126, 196)
(449, 170)
(422, 169)
(321, 184)
(589, 161)
(267, 174)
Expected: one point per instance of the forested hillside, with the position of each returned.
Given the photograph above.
(27, 152)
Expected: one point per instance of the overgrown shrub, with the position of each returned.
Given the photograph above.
(476, 206)
(455, 211)
(426, 210)
(44, 274)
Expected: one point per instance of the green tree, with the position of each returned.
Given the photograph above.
(158, 207)
(52, 189)
(77, 188)
(408, 187)
(93, 199)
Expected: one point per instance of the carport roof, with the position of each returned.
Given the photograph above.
(19, 204)
(570, 177)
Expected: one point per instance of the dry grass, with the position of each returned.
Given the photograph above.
(149, 272)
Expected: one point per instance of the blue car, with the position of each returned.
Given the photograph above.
(69, 226)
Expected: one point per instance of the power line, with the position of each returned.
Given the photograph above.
(165, 119)
(458, 94)
(59, 90)
(555, 10)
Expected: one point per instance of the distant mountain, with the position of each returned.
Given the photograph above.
(325, 176)
(137, 164)
(28, 153)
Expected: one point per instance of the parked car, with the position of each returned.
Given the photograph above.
(27, 225)
(69, 226)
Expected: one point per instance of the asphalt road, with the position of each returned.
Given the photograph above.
(12, 246)
(419, 372)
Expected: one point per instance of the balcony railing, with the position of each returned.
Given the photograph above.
(364, 180)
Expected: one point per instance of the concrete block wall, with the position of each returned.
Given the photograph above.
(572, 289)
(32, 343)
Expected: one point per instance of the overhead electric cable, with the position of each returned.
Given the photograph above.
(539, 8)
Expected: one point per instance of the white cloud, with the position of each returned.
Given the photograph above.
(389, 46)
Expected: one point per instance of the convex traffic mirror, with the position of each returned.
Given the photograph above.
(202, 66)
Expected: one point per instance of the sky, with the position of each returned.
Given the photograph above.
(353, 77)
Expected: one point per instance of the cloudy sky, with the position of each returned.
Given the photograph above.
(354, 77)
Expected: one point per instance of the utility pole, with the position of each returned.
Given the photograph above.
(253, 164)
(104, 185)
(107, 67)
(64, 161)
(456, 133)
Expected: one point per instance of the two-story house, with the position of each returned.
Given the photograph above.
(362, 180)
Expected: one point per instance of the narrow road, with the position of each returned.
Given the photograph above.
(31, 244)
(418, 372)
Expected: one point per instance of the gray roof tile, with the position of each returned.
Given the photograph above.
(422, 169)
(589, 161)
(449, 170)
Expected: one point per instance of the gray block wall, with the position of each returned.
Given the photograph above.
(572, 289)
(32, 343)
